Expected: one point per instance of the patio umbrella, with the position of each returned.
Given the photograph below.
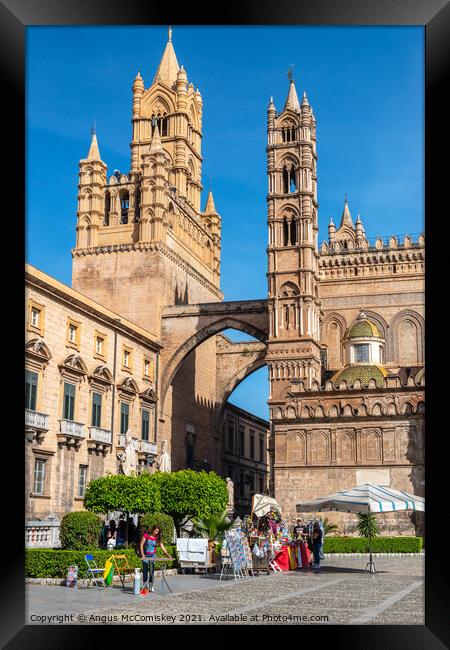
(262, 504)
(367, 498)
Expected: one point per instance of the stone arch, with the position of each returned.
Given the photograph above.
(288, 290)
(334, 327)
(202, 333)
(241, 376)
(296, 447)
(373, 446)
(406, 340)
(319, 448)
(345, 447)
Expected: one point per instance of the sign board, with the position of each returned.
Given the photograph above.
(72, 576)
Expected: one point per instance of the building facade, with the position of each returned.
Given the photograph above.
(346, 343)
(245, 440)
(90, 378)
(341, 331)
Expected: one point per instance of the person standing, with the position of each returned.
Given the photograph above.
(149, 543)
(317, 540)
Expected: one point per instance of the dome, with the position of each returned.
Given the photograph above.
(362, 372)
(364, 327)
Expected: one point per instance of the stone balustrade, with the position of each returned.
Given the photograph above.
(35, 420)
(42, 534)
(71, 428)
(103, 436)
(147, 447)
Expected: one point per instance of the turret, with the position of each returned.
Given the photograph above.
(92, 178)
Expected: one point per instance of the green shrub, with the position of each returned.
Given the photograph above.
(53, 563)
(379, 545)
(165, 523)
(367, 523)
(80, 530)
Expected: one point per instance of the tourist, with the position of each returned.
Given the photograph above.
(121, 537)
(110, 539)
(131, 530)
(149, 543)
(317, 545)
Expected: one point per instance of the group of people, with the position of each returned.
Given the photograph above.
(312, 537)
(113, 536)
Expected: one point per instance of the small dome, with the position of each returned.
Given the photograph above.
(363, 373)
(364, 327)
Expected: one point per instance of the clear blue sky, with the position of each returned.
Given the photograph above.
(365, 84)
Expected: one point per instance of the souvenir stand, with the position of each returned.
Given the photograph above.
(263, 536)
(235, 555)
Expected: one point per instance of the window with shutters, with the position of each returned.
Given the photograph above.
(31, 383)
(69, 401)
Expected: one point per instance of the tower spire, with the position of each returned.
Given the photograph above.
(292, 99)
(94, 152)
(168, 67)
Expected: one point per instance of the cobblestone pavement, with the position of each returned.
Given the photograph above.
(342, 592)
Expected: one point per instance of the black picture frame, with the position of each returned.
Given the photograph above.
(15, 16)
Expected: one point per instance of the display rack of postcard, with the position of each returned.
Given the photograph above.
(237, 553)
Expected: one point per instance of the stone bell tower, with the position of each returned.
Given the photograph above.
(142, 238)
(293, 295)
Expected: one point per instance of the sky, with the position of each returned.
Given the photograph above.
(365, 85)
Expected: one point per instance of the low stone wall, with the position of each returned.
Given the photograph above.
(61, 582)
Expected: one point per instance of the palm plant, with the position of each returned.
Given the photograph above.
(328, 527)
(214, 526)
(366, 523)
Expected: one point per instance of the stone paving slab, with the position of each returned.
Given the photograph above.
(342, 592)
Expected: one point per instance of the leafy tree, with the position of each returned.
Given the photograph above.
(366, 522)
(80, 530)
(186, 494)
(163, 521)
(213, 526)
(130, 494)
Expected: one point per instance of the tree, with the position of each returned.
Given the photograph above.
(213, 526)
(130, 494)
(366, 522)
(186, 494)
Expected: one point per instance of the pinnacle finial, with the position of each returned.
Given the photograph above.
(290, 72)
(170, 33)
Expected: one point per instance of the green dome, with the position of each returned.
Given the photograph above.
(364, 328)
(364, 373)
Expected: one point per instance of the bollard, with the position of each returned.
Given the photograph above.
(137, 582)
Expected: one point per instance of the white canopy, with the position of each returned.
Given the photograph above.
(262, 504)
(365, 498)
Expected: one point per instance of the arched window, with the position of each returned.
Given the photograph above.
(124, 206)
(137, 205)
(285, 181)
(293, 232)
(293, 180)
(285, 232)
(107, 208)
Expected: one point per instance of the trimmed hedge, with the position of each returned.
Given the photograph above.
(53, 563)
(80, 530)
(379, 545)
(165, 523)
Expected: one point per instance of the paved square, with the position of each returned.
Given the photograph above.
(342, 592)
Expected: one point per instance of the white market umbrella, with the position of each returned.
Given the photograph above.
(367, 498)
(262, 504)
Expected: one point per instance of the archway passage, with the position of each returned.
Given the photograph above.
(187, 326)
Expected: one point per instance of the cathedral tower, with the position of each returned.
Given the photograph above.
(142, 239)
(294, 306)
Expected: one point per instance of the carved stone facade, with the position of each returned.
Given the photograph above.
(354, 421)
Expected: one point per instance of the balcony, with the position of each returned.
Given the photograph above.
(150, 448)
(36, 425)
(71, 433)
(99, 440)
(122, 442)
(35, 420)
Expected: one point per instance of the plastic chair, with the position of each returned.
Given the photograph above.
(122, 568)
(94, 573)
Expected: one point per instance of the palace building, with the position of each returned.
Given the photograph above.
(137, 342)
